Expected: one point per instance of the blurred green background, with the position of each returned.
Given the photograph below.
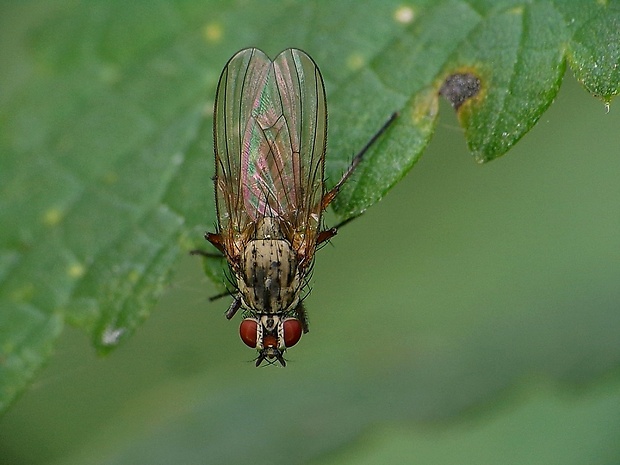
(472, 316)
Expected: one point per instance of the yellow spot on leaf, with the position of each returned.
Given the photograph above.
(76, 270)
(424, 107)
(355, 61)
(111, 177)
(404, 14)
(212, 32)
(52, 217)
(23, 293)
(134, 276)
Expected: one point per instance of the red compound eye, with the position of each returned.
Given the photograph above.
(292, 331)
(247, 331)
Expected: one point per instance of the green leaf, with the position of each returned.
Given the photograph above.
(105, 138)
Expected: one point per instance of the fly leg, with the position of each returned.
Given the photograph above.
(234, 306)
(227, 292)
(219, 256)
(300, 314)
(206, 254)
(326, 235)
(331, 195)
(215, 240)
(331, 232)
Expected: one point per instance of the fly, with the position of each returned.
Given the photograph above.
(270, 133)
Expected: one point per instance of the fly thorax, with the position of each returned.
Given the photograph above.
(269, 280)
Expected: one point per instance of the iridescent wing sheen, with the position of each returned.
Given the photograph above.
(270, 134)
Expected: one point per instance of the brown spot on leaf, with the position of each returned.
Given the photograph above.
(459, 87)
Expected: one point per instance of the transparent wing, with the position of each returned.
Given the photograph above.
(270, 135)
